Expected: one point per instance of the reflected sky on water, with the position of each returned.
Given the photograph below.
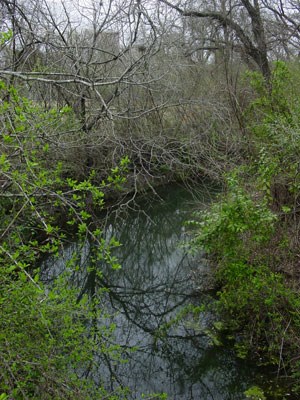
(155, 284)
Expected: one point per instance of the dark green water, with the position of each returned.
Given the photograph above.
(157, 280)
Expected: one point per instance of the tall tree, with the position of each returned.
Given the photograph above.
(250, 38)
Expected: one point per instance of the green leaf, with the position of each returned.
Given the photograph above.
(286, 209)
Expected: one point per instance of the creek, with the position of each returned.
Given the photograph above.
(159, 280)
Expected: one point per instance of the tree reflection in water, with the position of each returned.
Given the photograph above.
(153, 286)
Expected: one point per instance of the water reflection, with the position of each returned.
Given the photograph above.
(153, 286)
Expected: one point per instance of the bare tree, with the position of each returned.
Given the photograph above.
(243, 18)
(142, 78)
(284, 29)
(84, 56)
(81, 54)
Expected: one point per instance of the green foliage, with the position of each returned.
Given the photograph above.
(160, 396)
(253, 300)
(48, 337)
(36, 345)
(48, 340)
(274, 104)
(276, 151)
(249, 233)
(5, 36)
(222, 229)
(255, 393)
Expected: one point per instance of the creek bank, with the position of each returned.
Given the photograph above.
(254, 302)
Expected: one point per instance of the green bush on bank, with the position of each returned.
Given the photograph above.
(48, 340)
(254, 301)
(251, 232)
(42, 341)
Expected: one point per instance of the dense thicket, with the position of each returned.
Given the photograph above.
(92, 94)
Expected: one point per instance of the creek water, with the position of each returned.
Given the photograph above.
(157, 283)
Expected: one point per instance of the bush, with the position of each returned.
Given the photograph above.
(251, 231)
(47, 339)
